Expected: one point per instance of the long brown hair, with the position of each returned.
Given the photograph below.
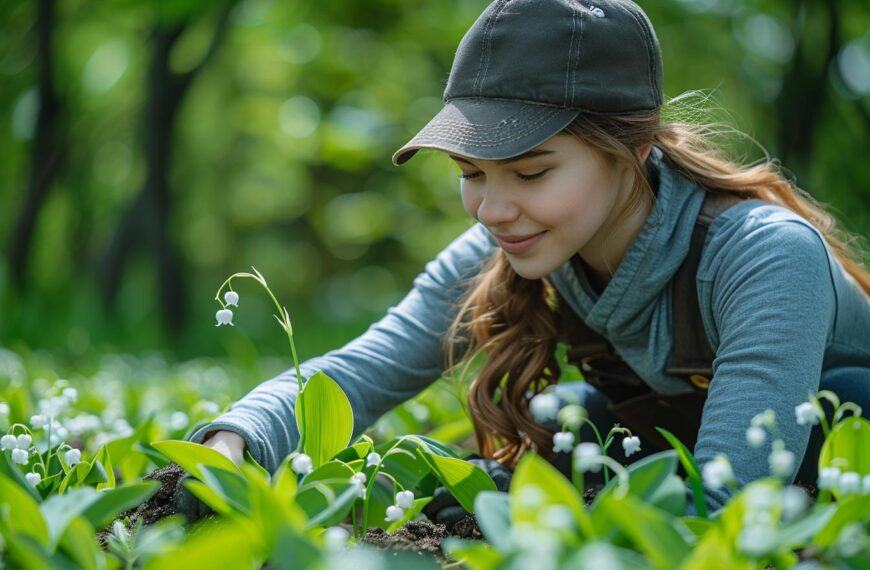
(511, 319)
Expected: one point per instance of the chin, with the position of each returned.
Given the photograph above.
(530, 271)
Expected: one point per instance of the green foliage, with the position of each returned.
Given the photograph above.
(328, 418)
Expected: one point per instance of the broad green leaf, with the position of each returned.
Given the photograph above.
(111, 502)
(652, 531)
(472, 554)
(846, 448)
(328, 471)
(208, 496)
(293, 551)
(221, 544)
(26, 552)
(536, 484)
(670, 496)
(96, 475)
(801, 532)
(104, 458)
(189, 456)
(645, 476)
(328, 418)
(79, 543)
(338, 508)
(59, 510)
(249, 460)
(464, 480)
(493, 512)
(692, 471)
(9, 469)
(852, 509)
(25, 515)
(358, 450)
(592, 553)
(230, 485)
(452, 432)
(285, 482)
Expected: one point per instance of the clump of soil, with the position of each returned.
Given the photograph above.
(422, 537)
(160, 505)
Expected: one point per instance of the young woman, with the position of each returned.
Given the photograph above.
(694, 292)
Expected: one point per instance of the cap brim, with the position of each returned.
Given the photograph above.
(488, 129)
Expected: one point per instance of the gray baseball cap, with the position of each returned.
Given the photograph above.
(527, 68)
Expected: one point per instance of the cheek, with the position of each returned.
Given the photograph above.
(470, 201)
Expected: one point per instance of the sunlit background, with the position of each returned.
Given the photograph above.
(150, 149)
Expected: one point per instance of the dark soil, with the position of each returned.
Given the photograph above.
(160, 505)
(416, 536)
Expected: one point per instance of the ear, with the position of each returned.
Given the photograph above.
(643, 151)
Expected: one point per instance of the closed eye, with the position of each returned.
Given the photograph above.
(473, 175)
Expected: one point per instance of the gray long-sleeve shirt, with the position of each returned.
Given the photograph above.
(777, 306)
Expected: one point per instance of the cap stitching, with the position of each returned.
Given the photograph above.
(577, 60)
(650, 58)
(570, 55)
(477, 88)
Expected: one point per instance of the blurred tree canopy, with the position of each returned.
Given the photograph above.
(148, 149)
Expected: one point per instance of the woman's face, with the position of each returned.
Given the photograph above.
(562, 195)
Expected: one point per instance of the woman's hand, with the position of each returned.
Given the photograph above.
(226, 442)
(229, 443)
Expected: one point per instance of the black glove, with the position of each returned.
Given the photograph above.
(186, 504)
(445, 509)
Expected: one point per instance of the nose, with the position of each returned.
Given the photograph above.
(496, 209)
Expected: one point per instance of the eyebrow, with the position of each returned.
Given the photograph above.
(525, 155)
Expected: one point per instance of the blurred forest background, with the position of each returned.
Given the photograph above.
(150, 148)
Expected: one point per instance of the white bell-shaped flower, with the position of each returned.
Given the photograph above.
(563, 441)
(224, 317)
(38, 421)
(717, 472)
(8, 441)
(405, 499)
(829, 477)
(394, 513)
(302, 464)
(850, 482)
(631, 445)
(373, 459)
(587, 457)
(544, 407)
(231, 298)
(33, 478)
(20, 456)
(756, 436)
(806, 414)
(23, 441)
(72, 457)
(335, 537)
(781, 462)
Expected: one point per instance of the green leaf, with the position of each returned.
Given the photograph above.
(328, 418)
(105, 460)
(111, 502)
(208, 496)
(231, 486)
(645, 476)
(24, 513)
(358, 450)
(249, 460)
(800, 532)
(652, 531)
(96, 475)
(846, 448)
(217, 545)
(285, 482)
(9, 469)
(536, 484)
(852, 509)
(189, 456)
(59, 510)
(328, 471)
(670, 496)
(493, 512)
(79, 543)
(472, 554)
(692, 471)
(337, 509)
(462, 479)
(293, 551)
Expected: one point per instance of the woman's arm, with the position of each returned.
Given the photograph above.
(773, 304)
(392, 361)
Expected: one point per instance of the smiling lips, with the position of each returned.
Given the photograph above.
(517, 244)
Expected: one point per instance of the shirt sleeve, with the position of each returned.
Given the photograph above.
(773, 303)
(391, 362)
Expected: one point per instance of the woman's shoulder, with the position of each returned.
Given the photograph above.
(755, 235)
